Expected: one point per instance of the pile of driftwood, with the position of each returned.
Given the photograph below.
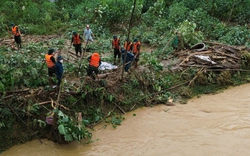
(213, 56)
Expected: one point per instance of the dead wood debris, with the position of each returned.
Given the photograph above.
(216, 56)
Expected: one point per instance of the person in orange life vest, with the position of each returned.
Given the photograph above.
(128, 45)
(136, 51)
(117, 48)
(94, 63)
(17, 35)
(50, 61)
(77, 43)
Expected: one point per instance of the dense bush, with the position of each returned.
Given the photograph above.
(153, 19)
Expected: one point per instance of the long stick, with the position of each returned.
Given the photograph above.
(41, 67)
(85, 50)
(129, 27)
(120, 108)
(25, 124)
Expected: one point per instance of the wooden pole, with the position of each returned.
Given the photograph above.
(129, 27)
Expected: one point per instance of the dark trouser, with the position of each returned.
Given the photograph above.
(136, 60)
(51, 71)
(127, 66)
(117, 53)
(92, 69)
(78, 48)
(59, 79)
(18, 40)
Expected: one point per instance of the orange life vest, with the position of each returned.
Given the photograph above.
(135, 48)
(15, 32)
(76, 39)
(127, 46)
(49, 63)
(115, 43)
(94, 60)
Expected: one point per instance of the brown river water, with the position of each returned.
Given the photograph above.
(212, 125)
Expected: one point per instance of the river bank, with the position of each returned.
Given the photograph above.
(209, 125)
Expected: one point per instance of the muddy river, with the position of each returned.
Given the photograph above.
(212, 125)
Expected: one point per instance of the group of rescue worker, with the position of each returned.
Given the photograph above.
(130, 49)
(77, 40)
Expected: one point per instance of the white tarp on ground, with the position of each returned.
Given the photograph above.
(107, 66)
(205, 58)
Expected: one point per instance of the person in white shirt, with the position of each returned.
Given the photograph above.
(88, 35)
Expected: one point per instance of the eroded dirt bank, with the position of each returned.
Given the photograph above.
(210, 125)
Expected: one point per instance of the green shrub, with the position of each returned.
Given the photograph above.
(237, 35)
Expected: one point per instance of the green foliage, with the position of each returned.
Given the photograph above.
(189, 34)
(245, 60)
(115, 119)
(70, 130)
(237, 35)
(154, 22)
(17, 66)
(152, 62)
(155, 11)
(94, 114)
(177, 13)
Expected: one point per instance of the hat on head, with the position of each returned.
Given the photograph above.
(136, 40)
(12, 24)
(51, 51)
(87, 26)
(74, 32)
(59, 58)
(114, 37)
